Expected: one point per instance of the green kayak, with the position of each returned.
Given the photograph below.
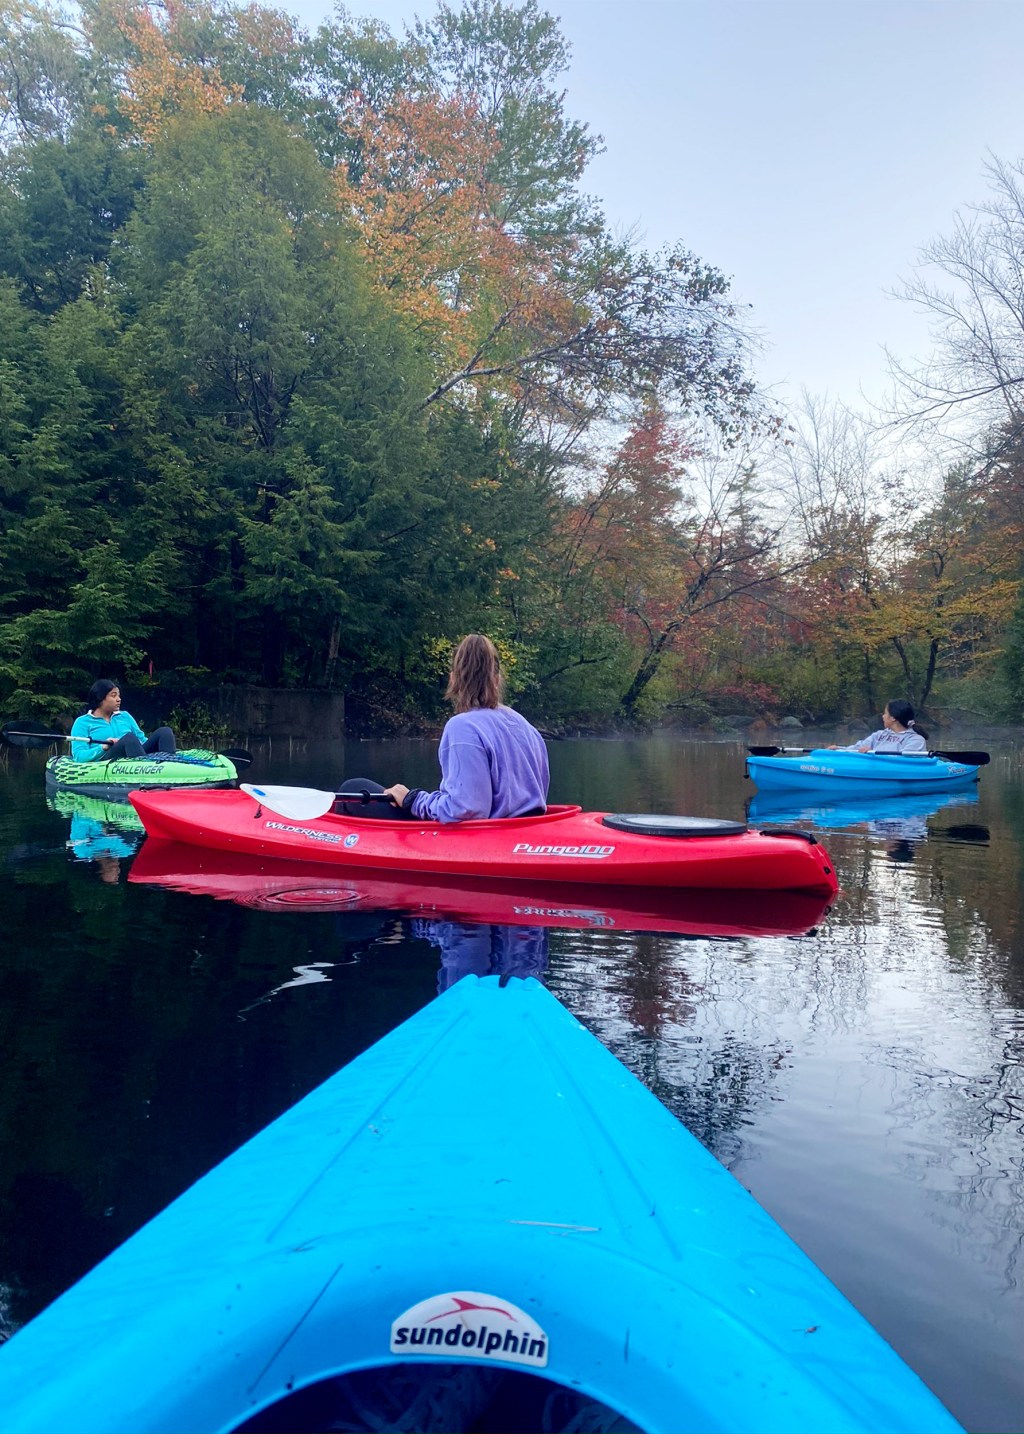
(101, 827)
(109, 811)
(192, 768)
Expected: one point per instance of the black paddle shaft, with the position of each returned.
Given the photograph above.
(967, 759)
(29, 734)
(34, 734)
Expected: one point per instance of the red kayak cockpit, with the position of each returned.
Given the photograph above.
(554, 813)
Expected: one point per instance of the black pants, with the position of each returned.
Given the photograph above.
(354, 807)
(386, 810)
(162, 740)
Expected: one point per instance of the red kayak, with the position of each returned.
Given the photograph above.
(564, 845)
(267, 884)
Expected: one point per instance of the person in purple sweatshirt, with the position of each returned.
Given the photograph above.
(493, 762)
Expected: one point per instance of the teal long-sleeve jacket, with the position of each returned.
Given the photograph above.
(102, 731)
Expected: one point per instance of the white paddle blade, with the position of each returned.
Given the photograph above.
(301, 804)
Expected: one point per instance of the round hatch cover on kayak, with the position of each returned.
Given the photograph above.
(643, 824)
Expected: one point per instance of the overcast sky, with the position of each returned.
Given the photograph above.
(808, 148)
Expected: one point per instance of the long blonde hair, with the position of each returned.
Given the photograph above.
(476, 679)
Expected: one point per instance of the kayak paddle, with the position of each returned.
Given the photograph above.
(302, 804)
(967, 831)
(238, 756)
(34, 735)
(968, 759)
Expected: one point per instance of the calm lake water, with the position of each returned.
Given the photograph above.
(865, 1080)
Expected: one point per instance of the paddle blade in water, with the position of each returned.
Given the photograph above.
(967, 831)
(300, 804)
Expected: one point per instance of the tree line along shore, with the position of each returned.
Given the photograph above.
(317, 354)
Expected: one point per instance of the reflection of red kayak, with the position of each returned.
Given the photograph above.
(269, 885)
(564, 845)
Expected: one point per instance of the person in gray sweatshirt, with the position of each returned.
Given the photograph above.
(898, 732)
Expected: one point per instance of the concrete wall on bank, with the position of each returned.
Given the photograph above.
(275, 712)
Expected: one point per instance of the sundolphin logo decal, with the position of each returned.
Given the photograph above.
(483, 1326)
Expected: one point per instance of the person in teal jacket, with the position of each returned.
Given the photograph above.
(105, 732)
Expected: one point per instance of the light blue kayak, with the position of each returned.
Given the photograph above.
(883, 815)
(482, 1210)
(853, 774)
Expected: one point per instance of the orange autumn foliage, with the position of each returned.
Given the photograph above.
(627, 523)
(162, 80)
(419, 191)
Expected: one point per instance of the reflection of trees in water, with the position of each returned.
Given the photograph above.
(7, 1323)
(968, 889)
(958, 1135)
(986, 883)
(942, 1047)
(962, 1110)
(659, 993)
(659, 774)
(651, 999)
(715, 1090)
(712, 1026)
(898, 1058)
(128, 1073)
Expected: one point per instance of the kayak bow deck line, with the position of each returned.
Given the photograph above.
(561, 1225)
(565, 844)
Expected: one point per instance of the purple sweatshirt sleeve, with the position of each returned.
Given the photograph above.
(465, 791)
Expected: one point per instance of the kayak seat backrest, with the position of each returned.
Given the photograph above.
(643, 824)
